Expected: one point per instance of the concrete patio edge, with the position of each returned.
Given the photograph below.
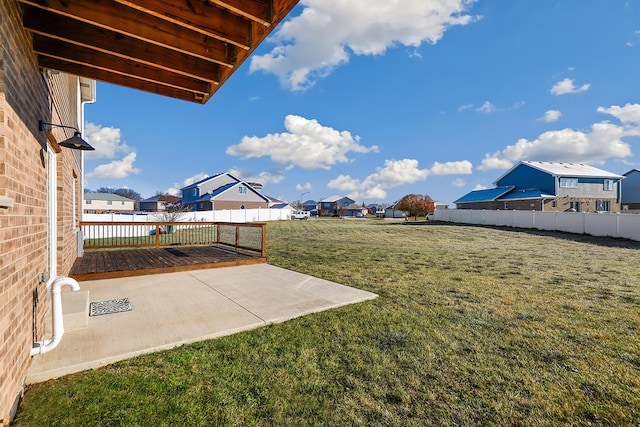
(175, 309)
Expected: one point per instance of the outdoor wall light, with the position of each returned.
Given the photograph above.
(75, 142)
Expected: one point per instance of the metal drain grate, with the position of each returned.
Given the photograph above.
(110, 306)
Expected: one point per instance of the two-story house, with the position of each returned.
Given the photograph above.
(332, 205)
(549, 186)
(630, 198)
(97, 203)
(222, 191)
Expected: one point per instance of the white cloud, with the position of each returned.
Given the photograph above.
(175, 189)
(304, 187)
(480, 187)
(487, 107)
(463, 167)
(601, 142)
(263, 178)
(628, 115)
(459, 182)
(306, 144)
(393, 174)
(465, 107)
(567, 86)
(551, 116)
(327, 32)
(116, 169)
(493, 161)
(105, 140)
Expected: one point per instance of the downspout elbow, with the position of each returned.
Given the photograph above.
(45, 346)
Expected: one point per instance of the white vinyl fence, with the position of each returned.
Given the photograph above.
(625, 226)
(231, 215)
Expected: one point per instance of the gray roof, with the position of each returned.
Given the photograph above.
(335, 198)
(92, 195)
(577, 170)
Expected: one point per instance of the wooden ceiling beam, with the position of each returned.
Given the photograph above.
(260, 32)
(68, 52)
(112, 43)
(198, 16)
(260, 11)
(134, 23)
(121, 80)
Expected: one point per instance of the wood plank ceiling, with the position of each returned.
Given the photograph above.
(184, 49)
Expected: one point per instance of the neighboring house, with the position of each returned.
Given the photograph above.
(376, 209)
(222, 191)
(97, 203)
(51, 53)
(393, 212)
(310, 205)
(283, 205)
(440, 205)
(549, 186)
(331, 205)
(272, 200)
(158, 203)
(630, 199)
(352, 210)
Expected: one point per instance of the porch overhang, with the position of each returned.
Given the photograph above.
(183, 49)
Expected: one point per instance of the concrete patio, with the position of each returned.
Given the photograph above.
(178, 308)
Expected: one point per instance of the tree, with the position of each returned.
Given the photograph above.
(416, 204)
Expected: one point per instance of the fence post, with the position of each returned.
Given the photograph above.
(264, 240)
(237, 236)
(157, 235)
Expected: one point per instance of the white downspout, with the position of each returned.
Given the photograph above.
(47, 345)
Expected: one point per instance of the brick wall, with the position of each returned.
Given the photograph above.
(24, 99)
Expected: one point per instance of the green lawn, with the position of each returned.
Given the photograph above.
(472, 326)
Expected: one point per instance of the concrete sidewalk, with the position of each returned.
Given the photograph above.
(178, 308)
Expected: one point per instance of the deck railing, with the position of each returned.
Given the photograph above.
(112, 235)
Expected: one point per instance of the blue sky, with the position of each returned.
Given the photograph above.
(375, 99)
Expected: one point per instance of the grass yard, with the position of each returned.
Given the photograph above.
(473, 326)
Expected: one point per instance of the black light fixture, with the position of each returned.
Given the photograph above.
(75, 142)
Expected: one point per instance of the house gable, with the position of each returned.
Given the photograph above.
(526, 176)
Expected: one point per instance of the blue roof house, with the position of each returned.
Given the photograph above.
(222, 191)
(549, 186)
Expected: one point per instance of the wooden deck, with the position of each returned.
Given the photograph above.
(96, 265)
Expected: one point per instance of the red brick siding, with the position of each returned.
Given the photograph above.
(24, 99)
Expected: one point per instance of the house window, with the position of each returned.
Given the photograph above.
(109, 202)
(326, 204)
(608, 185)
(88, 202)
(554, 204)
(242, 190)
(506, 205)
(602, 205)
(574, 205)
(569, 182)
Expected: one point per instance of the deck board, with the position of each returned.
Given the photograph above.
(96, 265)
